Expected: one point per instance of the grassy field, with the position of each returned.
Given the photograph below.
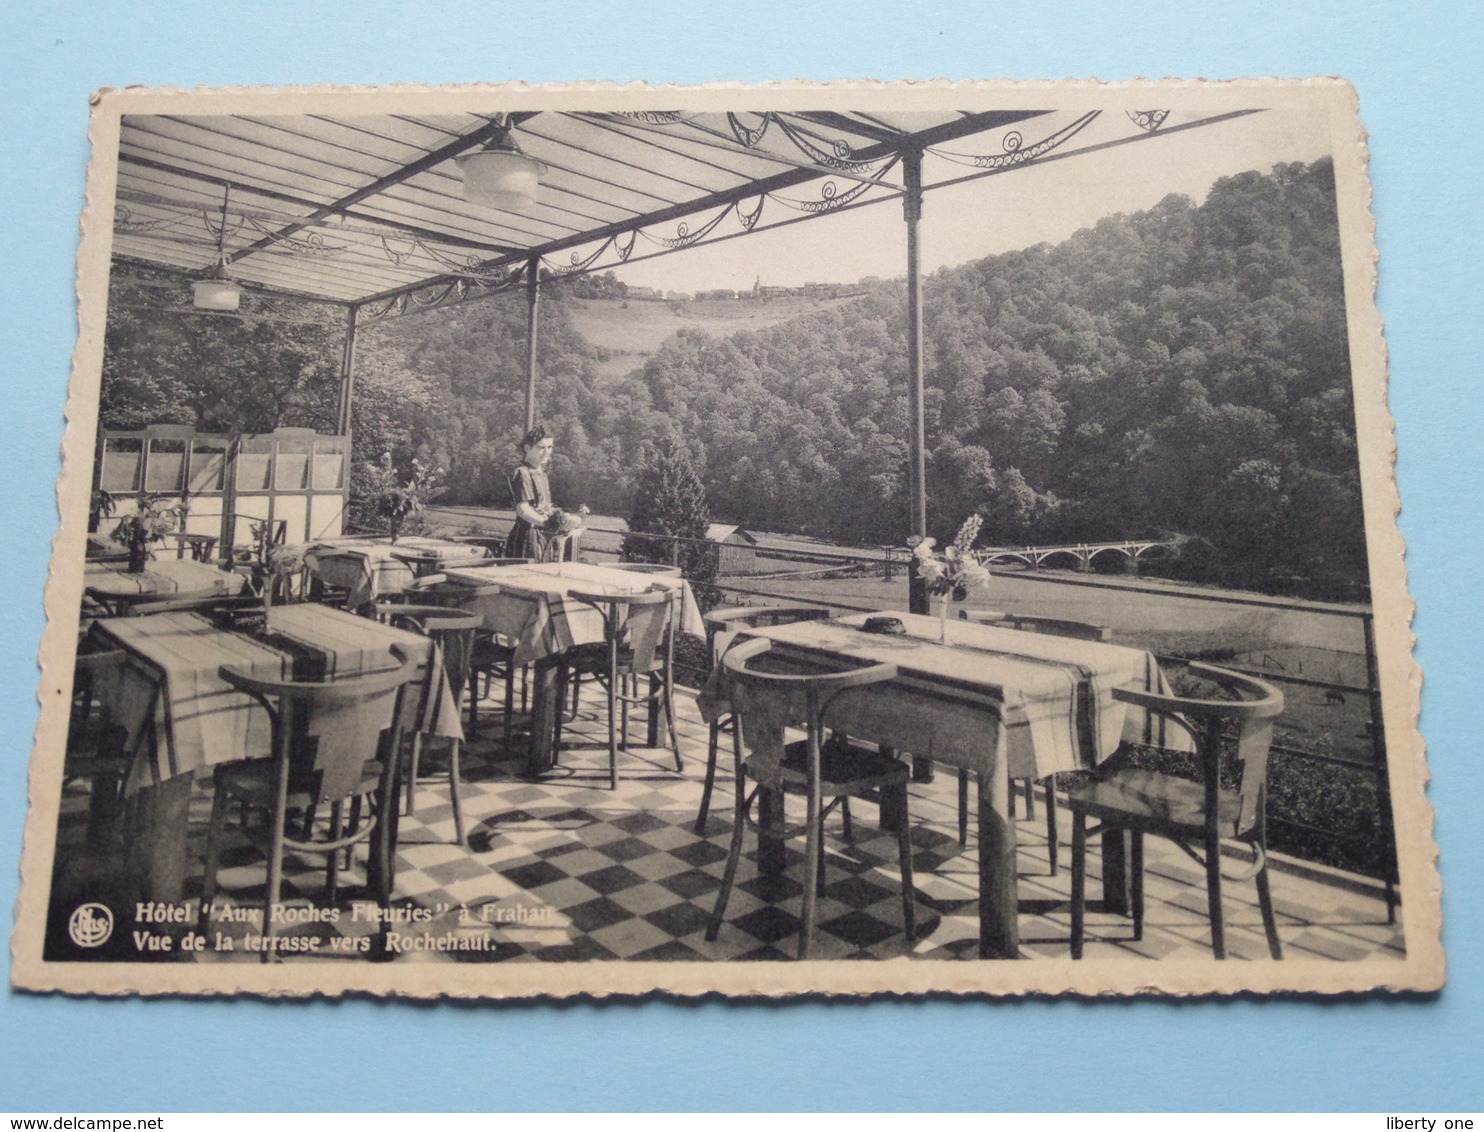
(633, 329)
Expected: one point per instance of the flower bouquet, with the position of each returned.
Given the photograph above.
(149, 523)
(276, 572)
(398, 502)
(955, 573)
(559, 528)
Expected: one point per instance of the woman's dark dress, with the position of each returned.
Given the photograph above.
(527, 485)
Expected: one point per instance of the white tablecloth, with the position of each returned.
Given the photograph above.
(1055, 695)
(534, 607)
(369, 568)
(182, 717)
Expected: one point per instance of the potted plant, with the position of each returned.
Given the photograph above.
(150, 522)
(401, 502)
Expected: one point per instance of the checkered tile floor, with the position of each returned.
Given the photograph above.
(565, 869)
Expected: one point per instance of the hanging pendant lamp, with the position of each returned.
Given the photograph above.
(217, 292)
(500, 175)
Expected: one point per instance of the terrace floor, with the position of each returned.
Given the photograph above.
(565, 869)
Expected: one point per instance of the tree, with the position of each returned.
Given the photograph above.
(671, 501)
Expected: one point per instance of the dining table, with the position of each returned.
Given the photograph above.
(113, 584)
(531, 605)
(182, 719)
(369, 568)
(972, 696)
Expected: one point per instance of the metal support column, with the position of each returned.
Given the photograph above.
(342, 426)
(917, 598)
(533, 302)
(347, 372)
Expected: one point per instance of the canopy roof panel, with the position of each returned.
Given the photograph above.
(370, 209)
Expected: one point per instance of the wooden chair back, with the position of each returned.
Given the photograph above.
(1057, 627)
(729, 619)
(654, 648)
(141, 605)
(198, 601)
(492, 545)
(750, 689)
(1204, 720)
(89, 669)
(326, 733)
(200, 546)
(452, 630)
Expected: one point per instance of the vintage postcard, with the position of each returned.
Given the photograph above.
(852, 539)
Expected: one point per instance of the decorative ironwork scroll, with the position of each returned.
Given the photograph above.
(1015, 152)
(830, 197)
(654, 117)
(580, 263)
(1148, 120)
(124, 221)
(684, 237)
(744, 133)
(444, 292)
(310, 243)
(838, 156)
(749, 219)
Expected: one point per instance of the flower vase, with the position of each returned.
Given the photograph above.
(138, 556)
(943, 618)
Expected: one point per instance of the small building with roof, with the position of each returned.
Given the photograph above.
(736, 549)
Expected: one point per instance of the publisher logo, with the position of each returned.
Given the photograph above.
(90, 925)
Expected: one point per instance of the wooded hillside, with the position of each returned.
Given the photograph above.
(1178, 371)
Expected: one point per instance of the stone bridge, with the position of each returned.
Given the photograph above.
(1081, 553)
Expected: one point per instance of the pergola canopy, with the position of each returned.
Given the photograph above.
(369, 210)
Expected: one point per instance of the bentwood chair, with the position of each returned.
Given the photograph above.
(139, 604)
(334, 743)
(452, 631)
(1020, 770)
(200, 547)
(1197, 814)
(95, 743)
(492, 545)
(818, 770)
(212, 602)
(426, 565)
(1057, 627)
(654, 569)
(638, 640)
(721, 624)
(439, 585)
(492, 655)
(243, 544)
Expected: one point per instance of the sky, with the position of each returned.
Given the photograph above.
(1032, 204)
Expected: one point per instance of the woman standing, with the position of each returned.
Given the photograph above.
(531, 494)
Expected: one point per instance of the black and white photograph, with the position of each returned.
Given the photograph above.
(537, 541)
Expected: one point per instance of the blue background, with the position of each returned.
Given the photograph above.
(1416, 68)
